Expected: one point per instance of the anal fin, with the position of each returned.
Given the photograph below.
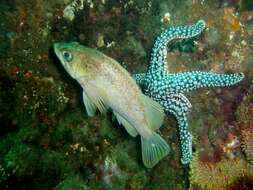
(129, 128)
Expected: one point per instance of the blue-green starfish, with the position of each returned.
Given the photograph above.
(168, 89)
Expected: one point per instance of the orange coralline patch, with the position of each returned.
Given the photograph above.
(230, 20)
(247, 140)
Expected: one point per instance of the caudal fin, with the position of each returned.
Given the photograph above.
(154, 149)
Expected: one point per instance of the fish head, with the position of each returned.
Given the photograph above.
(76, 59)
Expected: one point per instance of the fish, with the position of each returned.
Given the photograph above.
(107, 85)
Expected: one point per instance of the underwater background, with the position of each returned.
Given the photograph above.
(47, 141)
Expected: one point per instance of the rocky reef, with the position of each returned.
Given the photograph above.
(47, 141)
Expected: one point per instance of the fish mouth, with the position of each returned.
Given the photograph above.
(56, 48)
(57, 51)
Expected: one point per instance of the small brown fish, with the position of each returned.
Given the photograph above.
(108, 85)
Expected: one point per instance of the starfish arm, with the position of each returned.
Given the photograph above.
(176, 104)
(185, 140)
(158, 63)
(187, 81)
(139, 78)
(179, 106)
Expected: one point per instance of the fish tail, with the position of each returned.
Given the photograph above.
(154, 148)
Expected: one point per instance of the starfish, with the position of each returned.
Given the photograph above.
(168, 88)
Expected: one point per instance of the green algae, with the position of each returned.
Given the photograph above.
(72, 182)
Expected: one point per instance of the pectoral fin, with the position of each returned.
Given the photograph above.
(129, 128)
(97, 97)
(89, 105)
(154, 113)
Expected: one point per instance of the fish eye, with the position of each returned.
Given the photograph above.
(67, 56)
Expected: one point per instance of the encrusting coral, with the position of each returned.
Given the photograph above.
(245, 114)
(247, 141)
(220, 175)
